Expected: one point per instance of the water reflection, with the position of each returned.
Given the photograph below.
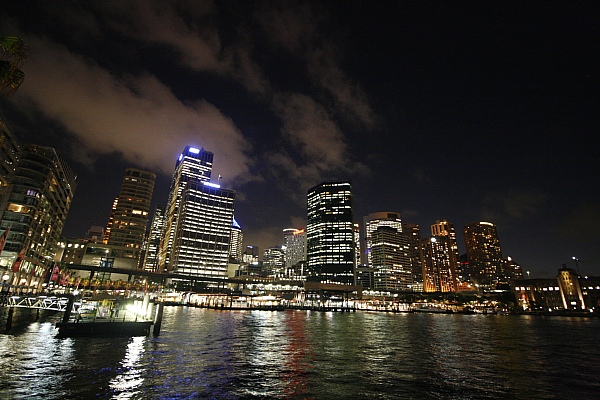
(131, 374)
(297, 356)
(311, 355)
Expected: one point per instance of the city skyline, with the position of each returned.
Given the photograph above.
(454, 112)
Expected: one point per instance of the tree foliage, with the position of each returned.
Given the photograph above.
(12, 56)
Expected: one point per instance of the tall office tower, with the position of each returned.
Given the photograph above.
(250, 255)
(34, 205)
(437, 270)
(192, 165)
(111, 218)
(130, 217)
(391, 259)
(413, 233)
(330, 233)
(237, 237)
(294, 246)
(483, 252)
(445, 228)
(156, 229)
(273, 261)
(357, 251)
(201, 240)
(373, 221)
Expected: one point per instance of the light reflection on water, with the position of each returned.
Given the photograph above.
(303, 355)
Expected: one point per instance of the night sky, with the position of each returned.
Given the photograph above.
(482, 111)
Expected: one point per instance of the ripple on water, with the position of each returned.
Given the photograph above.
(298, 355)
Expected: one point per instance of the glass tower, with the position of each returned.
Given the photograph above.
(201, 240)
(156, 228)
(330, 233)
(294, 246)
(374, 221)
(193, 164)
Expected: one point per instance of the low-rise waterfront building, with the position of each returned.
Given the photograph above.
(568, 291)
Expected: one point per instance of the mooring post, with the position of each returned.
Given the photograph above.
(9, 318)
(158, 319)
(67, 313)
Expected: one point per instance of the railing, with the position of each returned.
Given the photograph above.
(41, 302)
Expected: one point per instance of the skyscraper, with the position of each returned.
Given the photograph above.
(358, 259)
(443, 228)
(391, 259)
(235, 244)
(34, 205)
(413, 233)
(483, 252)
(156, 229)
(250, 255)
(294, 246)
(193, 164)
(130, 216)
(203, 230)
(273, 261)
(437, 270)
(373, 221)
(330, 233)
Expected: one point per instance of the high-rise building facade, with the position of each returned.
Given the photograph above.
(203, 230)
(130, 216)
(273, 261)
(193, 164)
(330, 233)
(413, 233)
(437, 269)
(154, 237)
(34, 205)
(443, 228)
(235, 244)
(484, 253)
(111, 218)
(391, 259)
(373, 221)
(511, 270)
(294, 246)
(250, 255)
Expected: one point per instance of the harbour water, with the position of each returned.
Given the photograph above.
(212, 354)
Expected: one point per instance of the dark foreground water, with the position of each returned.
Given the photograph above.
(208, 354)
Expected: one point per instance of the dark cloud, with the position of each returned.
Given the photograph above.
(513, 204)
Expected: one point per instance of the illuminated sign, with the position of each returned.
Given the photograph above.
(194, 150)
(214, 185)
(180, 157)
